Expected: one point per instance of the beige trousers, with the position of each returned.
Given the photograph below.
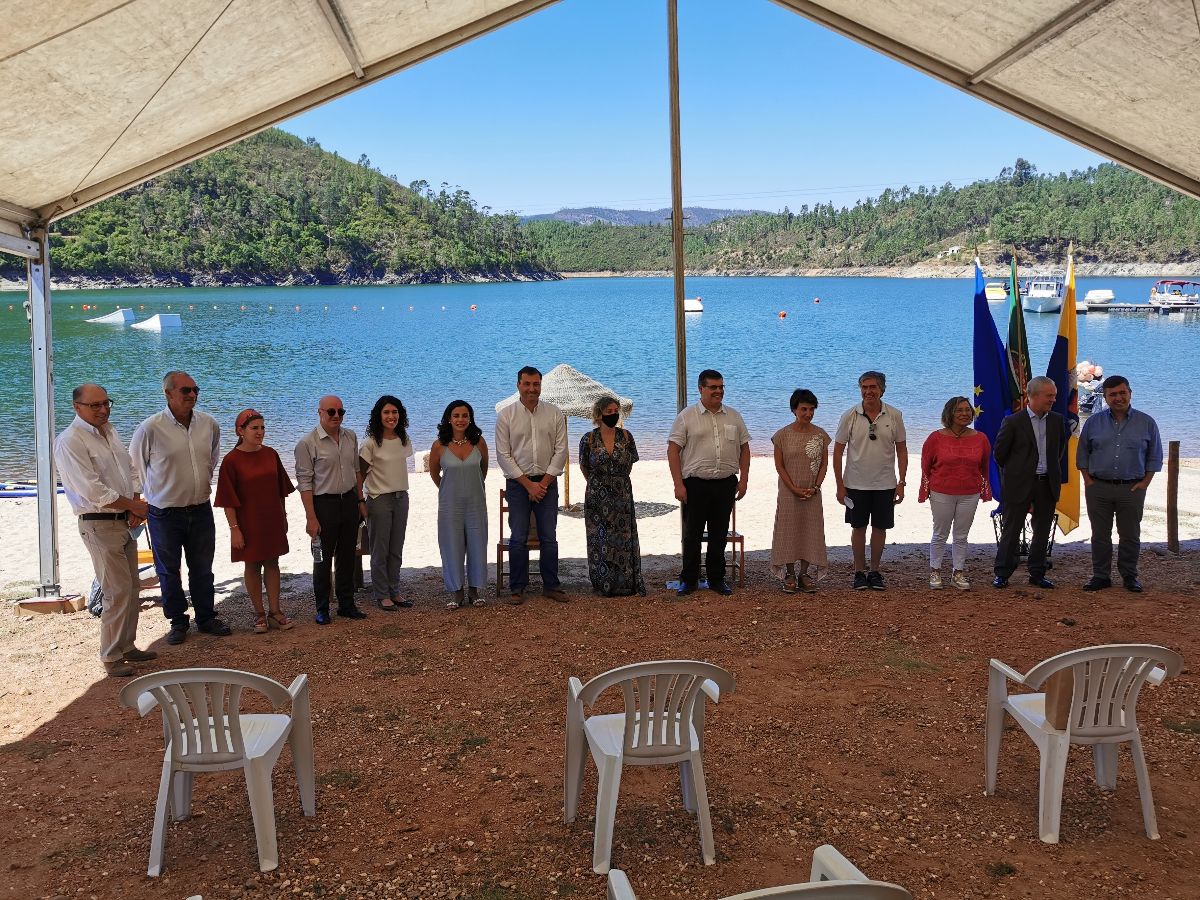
(114, 557)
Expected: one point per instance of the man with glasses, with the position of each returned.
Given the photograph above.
(176, 452)
(708, 451)
(331, 489)
(871, 437)
(104, 490)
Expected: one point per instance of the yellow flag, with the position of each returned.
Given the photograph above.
(1062, 371)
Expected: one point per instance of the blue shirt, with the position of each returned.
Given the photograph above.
(1039, 434)
(1119, 451)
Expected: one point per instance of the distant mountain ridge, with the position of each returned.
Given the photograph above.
(592, 215)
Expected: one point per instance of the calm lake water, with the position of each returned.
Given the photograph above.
(425, 344)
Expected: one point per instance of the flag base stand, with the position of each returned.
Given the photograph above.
(66, 603)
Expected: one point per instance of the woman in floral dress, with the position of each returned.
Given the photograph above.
(606, 457)
(801, 459)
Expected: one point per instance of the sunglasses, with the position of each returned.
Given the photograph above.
(334, 413)
(96, 407)
(871, 430)
(190, 390)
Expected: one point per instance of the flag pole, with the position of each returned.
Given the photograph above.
(676, 204)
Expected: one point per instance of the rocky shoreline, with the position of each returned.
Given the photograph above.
(183, 279)
(924, 270)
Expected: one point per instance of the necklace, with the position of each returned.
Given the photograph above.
(459, 443)
(958, 434)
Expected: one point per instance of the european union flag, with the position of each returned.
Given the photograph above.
(993, 399)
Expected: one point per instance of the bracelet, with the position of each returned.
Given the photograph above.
(231, 527)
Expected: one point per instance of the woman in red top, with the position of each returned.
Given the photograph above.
(954, 477)
(252, 486)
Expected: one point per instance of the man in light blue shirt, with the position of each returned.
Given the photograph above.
(1119, 452)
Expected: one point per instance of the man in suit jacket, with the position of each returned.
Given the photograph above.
(1027, 450)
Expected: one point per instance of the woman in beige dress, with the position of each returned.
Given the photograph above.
(801, 459)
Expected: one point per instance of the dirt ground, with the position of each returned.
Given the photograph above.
(857, 721)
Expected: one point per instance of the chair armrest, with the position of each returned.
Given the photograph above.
(298, 686)
(574, 686)
(712, 689)
(1157, 676)
(1007, 671)
(830, 865)
(619, 887)
(145, 703)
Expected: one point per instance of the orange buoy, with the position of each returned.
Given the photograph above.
(783, 314)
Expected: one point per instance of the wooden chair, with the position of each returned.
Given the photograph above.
(502, 544)
(735, 546)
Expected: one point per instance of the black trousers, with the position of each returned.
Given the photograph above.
(710, 503)
(1008, 550)
(338, 517)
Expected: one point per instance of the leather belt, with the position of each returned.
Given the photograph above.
(1117, 480)
(102, 517)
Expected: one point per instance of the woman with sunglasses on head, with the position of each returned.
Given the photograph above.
(383, 459)
(253, 486)
(954, 478)
(802, 460)
(458, 464)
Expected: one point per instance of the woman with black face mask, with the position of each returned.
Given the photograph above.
(606, 457)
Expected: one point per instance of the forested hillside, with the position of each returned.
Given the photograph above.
(1110, 213)
(275, 208)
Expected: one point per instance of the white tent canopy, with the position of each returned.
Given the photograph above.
(102, 95)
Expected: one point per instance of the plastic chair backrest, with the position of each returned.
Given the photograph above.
(1106, 683)
(829, 890)
(201, 709)
(660, 699)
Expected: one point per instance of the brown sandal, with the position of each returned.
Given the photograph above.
(260, 625)
(280, 621)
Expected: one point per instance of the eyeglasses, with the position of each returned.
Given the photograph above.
(96, 407)
(871, 430)
(190, 390)
(334, 413)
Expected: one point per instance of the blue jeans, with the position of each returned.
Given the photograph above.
(186, 531)
(545, 513)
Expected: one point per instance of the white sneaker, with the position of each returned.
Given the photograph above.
(935, 580)
(959, 580)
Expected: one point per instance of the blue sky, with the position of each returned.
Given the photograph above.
(568, 107)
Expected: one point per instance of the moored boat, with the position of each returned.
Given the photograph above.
(1044, 293)
(693, 304)
(1100, 298)
(1173, 294)
(996, 291)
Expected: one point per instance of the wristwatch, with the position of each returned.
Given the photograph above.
(900, 484)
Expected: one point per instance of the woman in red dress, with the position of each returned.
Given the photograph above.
(252, 487)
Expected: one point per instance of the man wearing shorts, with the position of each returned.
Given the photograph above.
(871, 438)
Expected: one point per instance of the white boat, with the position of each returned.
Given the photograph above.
(692, 304)
(1044, 293)
(1172, 294)
(1099, 298)
(160, 322)
(116, 317)
(996, 291)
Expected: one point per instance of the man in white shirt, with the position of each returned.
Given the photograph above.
(872, 438)
(104, 491)
(707, 449)
(176, 452)
(531, 446)
(330, 482)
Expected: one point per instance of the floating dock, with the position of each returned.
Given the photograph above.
(1083, 309)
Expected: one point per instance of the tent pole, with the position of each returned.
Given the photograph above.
(43, 413)
(676, 204)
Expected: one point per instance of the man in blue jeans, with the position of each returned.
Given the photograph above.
(531, 445)
(176, 452)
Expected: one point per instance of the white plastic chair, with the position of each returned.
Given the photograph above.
(205, 731)
(1104, 686)
(660, 698)
(833, 877)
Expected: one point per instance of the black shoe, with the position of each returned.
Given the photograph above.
(352, 612)
(860, 581)
(999, 582)
(1133, 585)
(322, 618)
(722, 587)
(214, 626)
(177, 634)
(1098, 584)
(875, 581)
(1041, 581)
(404, 604)
(685, 588)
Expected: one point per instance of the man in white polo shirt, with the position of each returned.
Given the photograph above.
(104, 490)
(871, 438)
(176, 452)
(707, 450)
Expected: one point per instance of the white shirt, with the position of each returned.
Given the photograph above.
(531, 443)
(710, 443)
(326, 466)
(870, 464)
(176, 461)
(94, 467)
(1039, 435)
(389, 465)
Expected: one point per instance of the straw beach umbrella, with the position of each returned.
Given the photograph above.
(574, 393)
